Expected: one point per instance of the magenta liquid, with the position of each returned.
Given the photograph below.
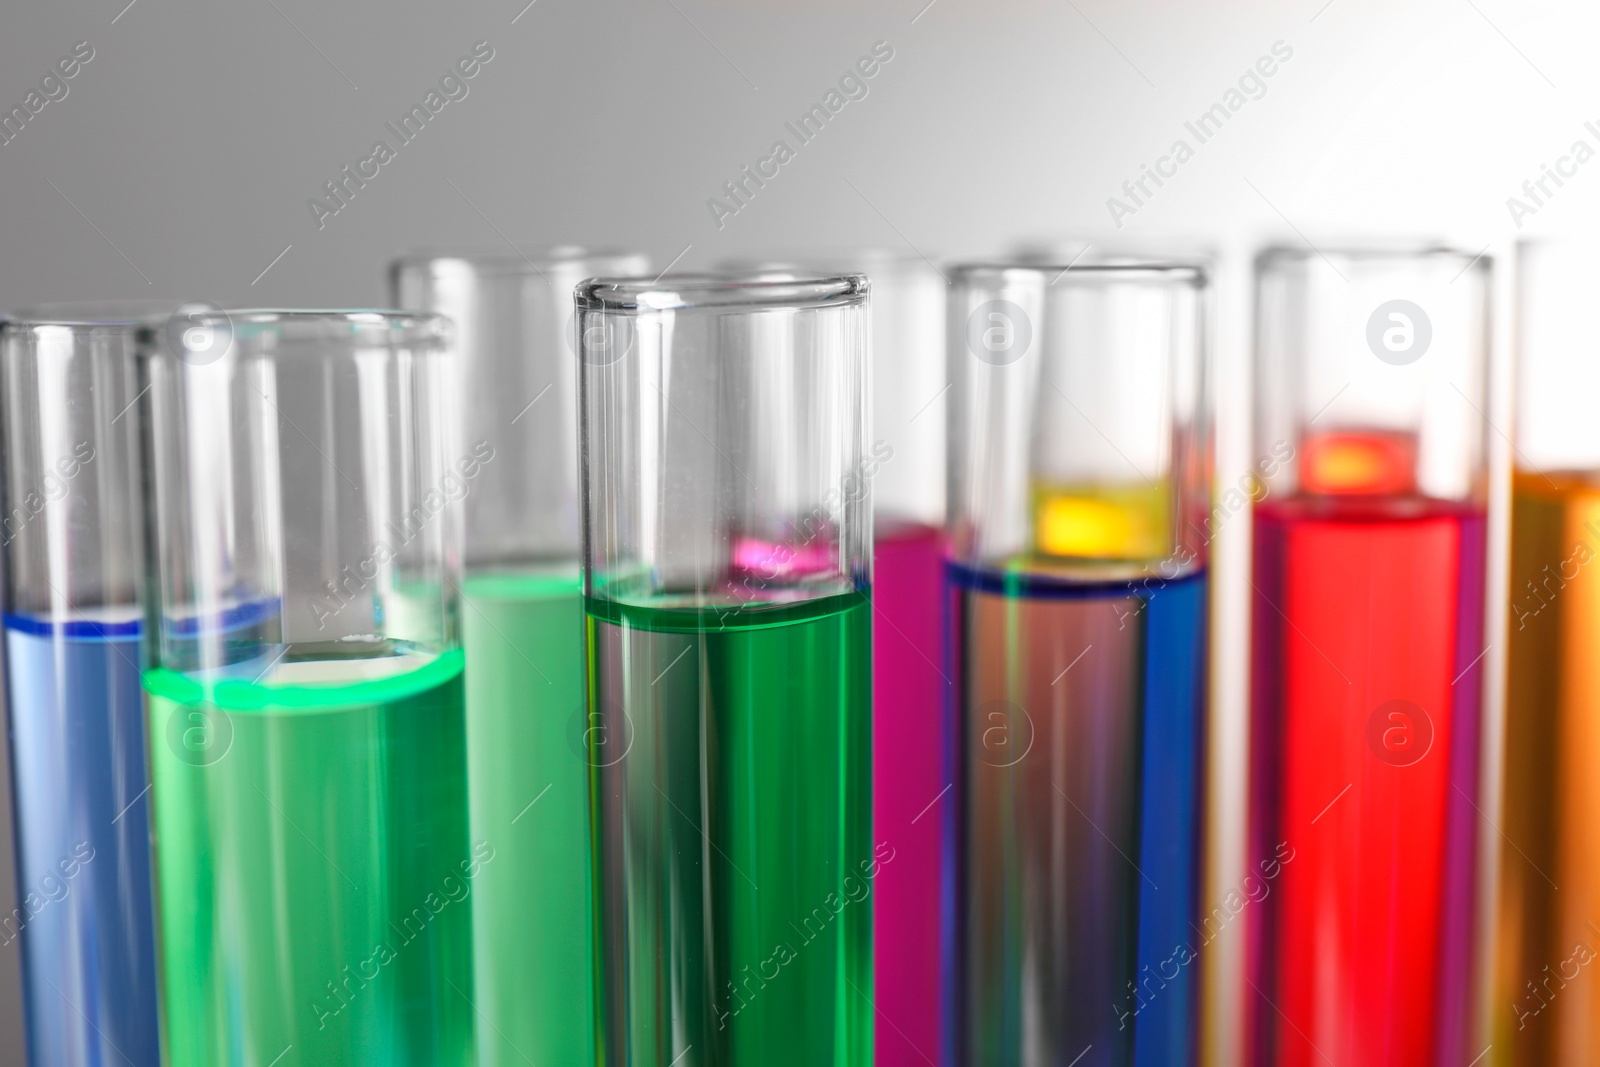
(909, 783)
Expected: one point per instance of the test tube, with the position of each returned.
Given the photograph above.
(522, 628)
(1079, 481)
(908, 676)
(1551, 809)
(1367, 650)
(313, 868)
(727, 553)
(72, 571)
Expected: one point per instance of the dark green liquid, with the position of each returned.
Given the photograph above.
(312, 870)
(733, 801)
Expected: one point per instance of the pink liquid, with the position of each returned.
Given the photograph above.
(909, 802)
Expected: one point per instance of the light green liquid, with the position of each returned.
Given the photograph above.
(312, 868)
(530, 800)
(733, 793)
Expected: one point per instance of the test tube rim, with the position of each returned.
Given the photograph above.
(366, 327)
(1271, 255)
(491, 259)
(1091, 249)
(1160, 272)
(744, 292)
(87, 314)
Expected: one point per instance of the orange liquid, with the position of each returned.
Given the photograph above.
(1366, 462)
(1546, 1001)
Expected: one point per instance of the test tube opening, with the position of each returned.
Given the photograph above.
(720, 443)
(1082, 418)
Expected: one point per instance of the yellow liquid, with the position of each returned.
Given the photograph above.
(1546, 1000)
(1103, 522)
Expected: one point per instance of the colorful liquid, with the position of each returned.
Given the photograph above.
(1546, 1001)
(1106, 522)
(313, 869)
(908, 796)
(83, 842)
(1367, 651)
(1366, 462)
(532, 915)
(1081, 724)
(735, 855)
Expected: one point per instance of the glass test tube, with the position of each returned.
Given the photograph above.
(908, 679)
(1367, 650)
(727, 552)
(72, 570)
(522, 628)
(1543, 1011)
(1079, 480)
(307, 741)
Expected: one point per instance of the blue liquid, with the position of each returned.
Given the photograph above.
(1079, 741)
(83, 843)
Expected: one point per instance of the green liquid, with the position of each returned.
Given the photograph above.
(733, 801)
(532, 912)
(312, 868)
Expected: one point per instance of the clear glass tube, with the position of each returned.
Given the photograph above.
(908, 678)
(727, 553)
(908, 379)
(519, 372)
(1079, 481)
(304, 694)
(1550, 813)
(1367, 646)
(522, 628)
(73, 566)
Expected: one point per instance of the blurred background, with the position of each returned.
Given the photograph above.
(190, 154)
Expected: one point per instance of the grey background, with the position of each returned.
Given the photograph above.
(181, 161)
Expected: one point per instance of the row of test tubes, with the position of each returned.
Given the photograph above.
(807, 663)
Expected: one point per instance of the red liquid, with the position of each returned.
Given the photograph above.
(1359, 951)
(908, 692)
